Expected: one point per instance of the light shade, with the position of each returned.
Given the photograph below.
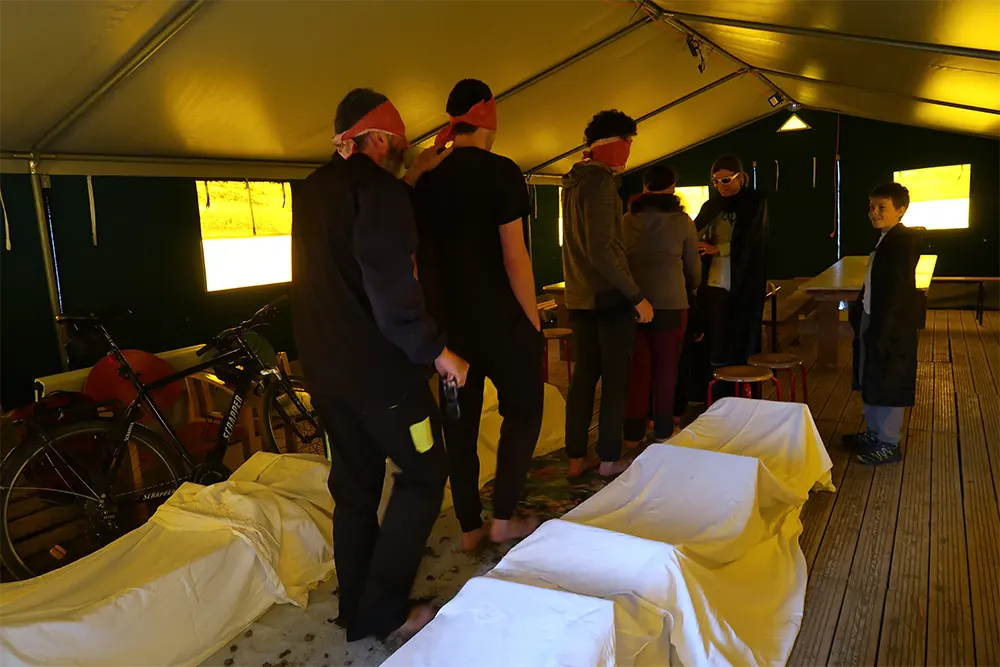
(793, 124)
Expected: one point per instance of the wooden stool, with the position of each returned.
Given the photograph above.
(563, 336)
(743, 376)
(786, 362)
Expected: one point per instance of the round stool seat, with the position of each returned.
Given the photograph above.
(775, 360)
(743, 374)
(554, 334)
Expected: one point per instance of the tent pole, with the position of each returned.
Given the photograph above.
(558, 67)
(954, 105)
(181, 19)
(654, 112)
(48, 257)
(960, 51)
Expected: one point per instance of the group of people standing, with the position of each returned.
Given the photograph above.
(396, 277)
(635, 283)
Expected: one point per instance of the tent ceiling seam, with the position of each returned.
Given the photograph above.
(655, 112)
(915, 98)
(688, 30)
(180, 19)
(554, 69)
(961, 51)
(711, 138)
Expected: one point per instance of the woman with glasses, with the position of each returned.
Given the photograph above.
(733, 232)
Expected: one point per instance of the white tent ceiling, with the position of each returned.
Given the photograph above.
(205, 88)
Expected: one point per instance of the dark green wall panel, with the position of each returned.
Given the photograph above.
(28, 338)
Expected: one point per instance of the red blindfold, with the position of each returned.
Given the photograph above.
(613, 154)
(384, 118)
(482, 114)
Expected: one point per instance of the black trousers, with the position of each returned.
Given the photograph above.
(376, 566)
(720, 338)
(602, 347)
(512, 360)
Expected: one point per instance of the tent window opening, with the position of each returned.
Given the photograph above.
(246, 233)
(939, 196)
(692, 197)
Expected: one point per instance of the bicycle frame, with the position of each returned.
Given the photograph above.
(244, 382)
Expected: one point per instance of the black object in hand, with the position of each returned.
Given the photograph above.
(452, 408)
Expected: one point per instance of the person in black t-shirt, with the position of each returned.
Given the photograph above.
(367, 346)
(476, 271)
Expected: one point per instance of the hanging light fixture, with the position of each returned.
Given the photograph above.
(793, 124)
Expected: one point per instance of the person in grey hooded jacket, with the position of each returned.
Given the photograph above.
(662, 249)
(603, 299)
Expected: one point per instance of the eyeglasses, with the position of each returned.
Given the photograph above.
(726, 180)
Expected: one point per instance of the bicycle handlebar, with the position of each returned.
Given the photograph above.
(264, 313)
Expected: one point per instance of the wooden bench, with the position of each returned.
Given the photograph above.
(787, 309)
(971, 280)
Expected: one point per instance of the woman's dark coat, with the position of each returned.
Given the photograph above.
(748, 269)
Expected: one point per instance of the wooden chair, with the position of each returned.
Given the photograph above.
(742, 377)
(563, 336)
(787, 362)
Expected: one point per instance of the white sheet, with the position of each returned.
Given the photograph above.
(209, 562)
(696, 545)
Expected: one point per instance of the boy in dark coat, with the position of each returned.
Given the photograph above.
(885, 319)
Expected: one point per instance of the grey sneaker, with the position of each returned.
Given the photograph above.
(885, 453)
(862, 442)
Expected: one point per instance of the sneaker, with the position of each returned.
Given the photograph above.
(885, 453)
(862, 442)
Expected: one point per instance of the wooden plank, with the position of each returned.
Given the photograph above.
(839, 397)
(989, 405)
(904, 622)
(942, 350)
(856, 638)
(949, 622)
(944, 399)
(959, 352)
(925, 342)
(922, 413)
(816, 512)
(982, 531)
(828, 582)
(981, 374)
(823, 380)
(991, 344)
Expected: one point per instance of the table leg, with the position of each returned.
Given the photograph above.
(562, 320)
(828, 321)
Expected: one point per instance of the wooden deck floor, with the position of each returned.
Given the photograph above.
(904, 559)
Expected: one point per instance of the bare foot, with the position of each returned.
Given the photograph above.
(419, 616)
(502, 530)
(471, 539)
(612, 468)
(577, 467)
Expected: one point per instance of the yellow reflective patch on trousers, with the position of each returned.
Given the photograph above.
(421, 435)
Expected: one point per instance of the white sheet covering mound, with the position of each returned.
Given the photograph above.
(696, 546)
(210, 561)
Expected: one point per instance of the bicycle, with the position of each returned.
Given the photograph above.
(77, 477)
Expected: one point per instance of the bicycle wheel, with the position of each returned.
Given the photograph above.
(291, 425)
(50, 512)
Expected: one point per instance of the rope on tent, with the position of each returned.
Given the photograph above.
(6, 225)
(836, 189)
(282, 194)
(253, 221)
(814, 172)
(93, 210)
(208, 197)
(777, 174)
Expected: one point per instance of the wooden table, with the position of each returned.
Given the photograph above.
(842, 282)
(558, 291)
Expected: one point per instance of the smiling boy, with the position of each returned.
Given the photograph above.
(885, 319)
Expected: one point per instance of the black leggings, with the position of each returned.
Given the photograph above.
(513, 362)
